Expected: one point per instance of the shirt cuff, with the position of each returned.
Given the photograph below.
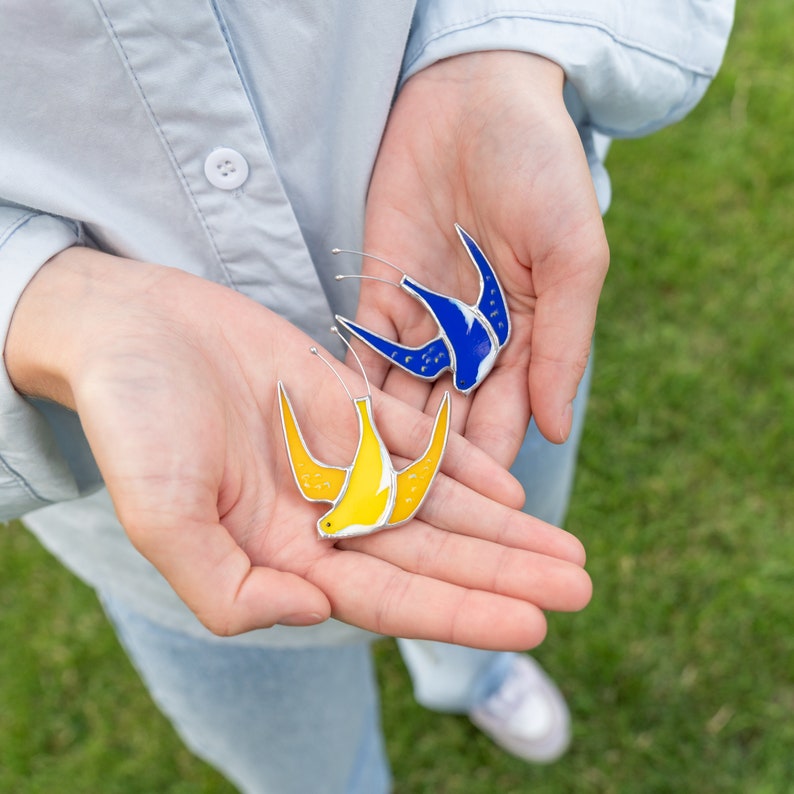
(33, 472)
(634, 72)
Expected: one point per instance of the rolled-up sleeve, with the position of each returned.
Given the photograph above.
(33, 470)
(636, 66)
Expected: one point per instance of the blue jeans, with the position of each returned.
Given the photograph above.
(272, 720)
(291, 721)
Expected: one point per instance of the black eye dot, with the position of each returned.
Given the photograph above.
(328, 523)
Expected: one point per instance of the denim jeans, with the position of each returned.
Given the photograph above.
(284, 720)
(272, 720)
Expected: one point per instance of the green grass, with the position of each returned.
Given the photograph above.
(680, 675)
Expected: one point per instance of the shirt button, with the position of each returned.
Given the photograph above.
(226, 168)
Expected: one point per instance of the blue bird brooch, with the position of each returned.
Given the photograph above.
(470, 336)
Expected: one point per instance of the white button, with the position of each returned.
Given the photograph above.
(226, 168)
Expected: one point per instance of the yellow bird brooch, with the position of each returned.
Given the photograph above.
(369, 494)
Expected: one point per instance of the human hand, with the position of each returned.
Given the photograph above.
(174, 380)
(484, 140)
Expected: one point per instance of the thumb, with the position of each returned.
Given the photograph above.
(565, 315)
(217, 581)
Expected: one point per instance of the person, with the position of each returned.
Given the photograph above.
(174, 180)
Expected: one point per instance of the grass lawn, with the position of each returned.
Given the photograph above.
(680, 674)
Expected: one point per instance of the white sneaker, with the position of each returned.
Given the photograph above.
(527, 715)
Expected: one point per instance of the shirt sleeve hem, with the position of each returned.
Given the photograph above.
(628, 86)
(33, 472)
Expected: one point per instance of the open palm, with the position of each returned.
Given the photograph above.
(485, 140)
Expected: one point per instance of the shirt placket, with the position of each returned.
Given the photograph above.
(180, 62)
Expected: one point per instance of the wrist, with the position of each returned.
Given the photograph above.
(59, 317)
(497, 70)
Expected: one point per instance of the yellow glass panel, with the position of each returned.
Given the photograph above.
(367, 500)
(317, 482)
(414, 481)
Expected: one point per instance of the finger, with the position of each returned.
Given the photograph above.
(215, 578)
(406, 433)
(499, 414)
(383, 598)
(466, 512)
(548, 582)
(565, 315)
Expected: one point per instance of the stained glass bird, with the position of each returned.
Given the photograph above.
(470, 336)
(369, 494)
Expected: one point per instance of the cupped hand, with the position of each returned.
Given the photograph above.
(174, 379)
(484, 140)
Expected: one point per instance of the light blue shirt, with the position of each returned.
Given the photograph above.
(235, 140)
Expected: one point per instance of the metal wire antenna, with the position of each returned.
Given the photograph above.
(369, 256)
(314, 351)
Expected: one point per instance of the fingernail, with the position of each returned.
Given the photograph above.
(302, 619)
(565, 422)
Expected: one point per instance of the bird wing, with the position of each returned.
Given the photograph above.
(492, 301)
(427, 361)
(414, 481)
(316, 481)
